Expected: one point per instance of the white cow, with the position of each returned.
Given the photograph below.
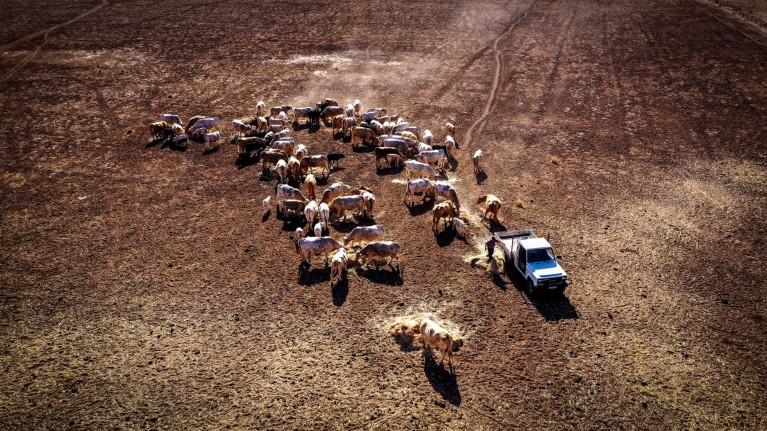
(312, 246)
(476, 159)
(207, 123)
(422, 187)
(260, 109)
(364, 233)
(171, 119)
(318, 229)
(324, 214)
(460, 227)
(419, 169)
(212, 138)
(311, 211)
(428, 138)
(284, 191)
(433, 157)
(282, 170)
(338, 264)
(267, 203)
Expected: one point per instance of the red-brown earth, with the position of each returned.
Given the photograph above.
(141, 288)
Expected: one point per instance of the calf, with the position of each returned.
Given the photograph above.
(334, 158)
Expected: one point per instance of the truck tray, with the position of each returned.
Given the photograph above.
(508, 234)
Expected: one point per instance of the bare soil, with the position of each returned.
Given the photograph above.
(140, 286)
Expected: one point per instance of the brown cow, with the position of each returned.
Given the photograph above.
(492, 205)
(272, 156)
(362, 135)
(446, 211)
(318, 161)
(159, 128)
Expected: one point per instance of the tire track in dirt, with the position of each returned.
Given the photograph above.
(493, 93)
(548, 88)
(704, 9)
(45, 34)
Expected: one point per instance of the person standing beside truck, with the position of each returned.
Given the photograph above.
(490, 245)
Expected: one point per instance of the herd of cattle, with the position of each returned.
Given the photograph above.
(397, 144)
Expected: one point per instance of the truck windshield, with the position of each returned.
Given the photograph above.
(540, 255)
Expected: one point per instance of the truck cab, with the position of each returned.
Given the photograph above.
(534, 259)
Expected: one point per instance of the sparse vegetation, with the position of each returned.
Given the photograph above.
(519, 203)
(555, 160)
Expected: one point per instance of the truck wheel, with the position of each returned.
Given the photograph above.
(530, 288)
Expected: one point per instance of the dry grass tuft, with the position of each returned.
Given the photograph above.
(555, 160)
(519, 203)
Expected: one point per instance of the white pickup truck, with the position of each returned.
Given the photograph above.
(535, 260)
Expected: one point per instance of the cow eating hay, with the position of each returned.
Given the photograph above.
(406, 331)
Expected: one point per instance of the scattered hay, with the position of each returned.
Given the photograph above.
(555, 160)
(405, 331)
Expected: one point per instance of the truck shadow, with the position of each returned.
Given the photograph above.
(442, 380)
(552, 306)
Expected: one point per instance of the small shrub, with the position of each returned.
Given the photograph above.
(555, 160)
(519, 203)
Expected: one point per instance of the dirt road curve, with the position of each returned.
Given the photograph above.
(141, 288)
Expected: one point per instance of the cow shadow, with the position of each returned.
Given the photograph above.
(309, 276)
(442, 380)
(481, 177)
(265, 217)
(499, 281)
(344, 226)
(390, 277)
(290, 224)
(268, 175)
(210, 151)
(340, 290)
(452, 163)
(243, 162)
(162, 141)
(363, 148)
(297, 127)
(389, 171)
(446, 236)
(422, 208)
(494, 225)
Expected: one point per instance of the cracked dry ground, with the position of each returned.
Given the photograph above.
(140, 288)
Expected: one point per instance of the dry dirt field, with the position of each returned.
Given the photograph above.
(140, 287)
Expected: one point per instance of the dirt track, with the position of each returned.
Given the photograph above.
(139, 286)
